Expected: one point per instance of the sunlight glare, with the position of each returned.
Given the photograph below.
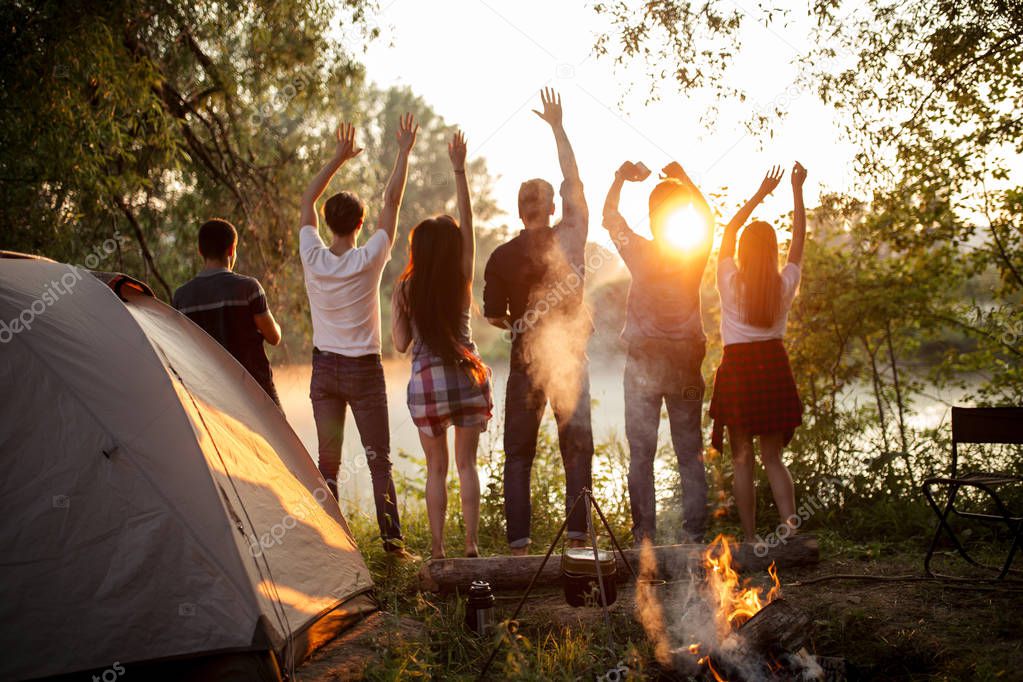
(685, 228)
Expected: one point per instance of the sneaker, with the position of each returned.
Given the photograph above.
(403, 555)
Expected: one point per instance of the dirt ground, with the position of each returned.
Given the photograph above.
(922, 630)
(898, 630)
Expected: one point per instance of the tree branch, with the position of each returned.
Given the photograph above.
(146, 253)
(978, 332)
(998, 241)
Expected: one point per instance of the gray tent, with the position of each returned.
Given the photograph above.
(159, 514)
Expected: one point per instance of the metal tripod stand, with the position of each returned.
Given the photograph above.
(584, 495)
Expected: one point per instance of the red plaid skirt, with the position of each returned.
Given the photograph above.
(442, 394)
(754, 389)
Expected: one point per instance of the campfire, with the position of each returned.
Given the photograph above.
(717, 626)
(734, 604)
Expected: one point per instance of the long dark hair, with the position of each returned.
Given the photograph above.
(435, 291)
(759, 290)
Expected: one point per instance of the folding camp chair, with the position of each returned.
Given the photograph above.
(987, 425)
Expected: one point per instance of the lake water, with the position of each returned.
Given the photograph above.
(608, 417)
(293, 387)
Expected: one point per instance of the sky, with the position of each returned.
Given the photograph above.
(482, 63)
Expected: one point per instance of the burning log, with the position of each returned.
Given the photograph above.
(673, 561)
(726, 628)
(775, 629)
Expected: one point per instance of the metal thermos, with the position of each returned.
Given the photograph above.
(479, 608)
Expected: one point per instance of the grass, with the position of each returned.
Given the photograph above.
(892, 631)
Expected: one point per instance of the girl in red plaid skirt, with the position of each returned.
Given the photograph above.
(450, 385)
(754, 391)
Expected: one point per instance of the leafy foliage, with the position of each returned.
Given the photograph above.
(912, 280)
(141, 119)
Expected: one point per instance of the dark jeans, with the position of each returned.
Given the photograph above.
(667, 372)
(524, 406)
(338, 382)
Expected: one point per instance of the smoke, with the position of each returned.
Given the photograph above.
(648, 607)
(683, 621)
(682, 628)
(556, 353)
(556, 329)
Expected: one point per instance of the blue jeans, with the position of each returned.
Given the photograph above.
(339, 381)
(669, 373)
(524, 406)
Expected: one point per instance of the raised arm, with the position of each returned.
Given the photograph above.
(552, 114)
(395, 190)
(614, 222)
(346, 149)
(675, 170)
(701, 255)
(575, 214)
(456, 150)
(798, 215)
(767, 186)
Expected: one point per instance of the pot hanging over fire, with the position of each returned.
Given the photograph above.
(582, 575)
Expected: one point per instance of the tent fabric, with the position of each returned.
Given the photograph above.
(155, 502)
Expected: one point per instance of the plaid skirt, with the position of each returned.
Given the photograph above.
(441, 395)
(754, 390)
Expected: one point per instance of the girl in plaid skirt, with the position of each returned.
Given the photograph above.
(754, 391)
(450, 385)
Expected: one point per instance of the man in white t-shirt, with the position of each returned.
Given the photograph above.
(343, 285)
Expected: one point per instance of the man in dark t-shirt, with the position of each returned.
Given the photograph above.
(230, 307)
(534, 291)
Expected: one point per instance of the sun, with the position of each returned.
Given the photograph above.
(685, 228)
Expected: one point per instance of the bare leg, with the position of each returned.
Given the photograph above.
(771, 445)
(466, 442)
(742, 485)
(436, 449)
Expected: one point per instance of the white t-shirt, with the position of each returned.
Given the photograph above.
(733, 328)
(344, 292)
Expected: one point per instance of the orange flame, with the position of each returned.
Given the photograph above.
(734, 603)
(717, 677)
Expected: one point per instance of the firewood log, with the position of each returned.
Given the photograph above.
(673, 562)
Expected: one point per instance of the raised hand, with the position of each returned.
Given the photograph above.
(633, 172)
(551, 107)
(674, 170)
(798, 176)
(407, 130)
(770, 181)
(346, 147)
(456, 150)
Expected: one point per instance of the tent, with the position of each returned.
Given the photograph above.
(158, 513)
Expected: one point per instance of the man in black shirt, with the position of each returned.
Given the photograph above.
(230, 307)
(534, 290)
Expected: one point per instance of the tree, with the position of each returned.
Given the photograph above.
(113, 112)
(141, 119)
(932, 93)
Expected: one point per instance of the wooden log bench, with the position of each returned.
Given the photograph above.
(515, 572)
